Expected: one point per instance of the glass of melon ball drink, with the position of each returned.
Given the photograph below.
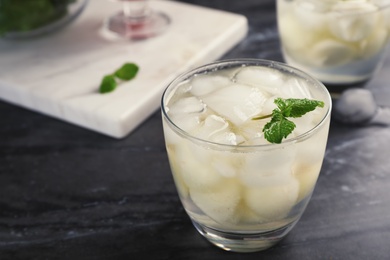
(243, 158)
(340, 42)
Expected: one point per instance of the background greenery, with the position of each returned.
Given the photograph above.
(26, 15)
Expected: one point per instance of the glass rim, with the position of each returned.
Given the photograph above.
(280, 66)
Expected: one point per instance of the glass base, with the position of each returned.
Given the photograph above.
(243, 242)
(138, 27)
(63, 18)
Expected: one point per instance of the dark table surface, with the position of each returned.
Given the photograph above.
(69, 193)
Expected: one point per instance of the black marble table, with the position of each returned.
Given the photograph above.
(69, 193)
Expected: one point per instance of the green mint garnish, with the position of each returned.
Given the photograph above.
(109, 82)
(280, 127)
(127, 71)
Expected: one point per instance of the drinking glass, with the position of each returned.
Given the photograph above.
(339, 42)
(241, 192)
(137, 21)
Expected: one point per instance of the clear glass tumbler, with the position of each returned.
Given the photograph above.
(340, 42)
(241, 192)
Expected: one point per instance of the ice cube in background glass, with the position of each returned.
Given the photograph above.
(296, 88)
(293, 32)
(380, 3)
(205, 84)
(266, 79)
(329, 52)
(311, 13)
(386, 17)
(236, 103)
(219, 203)
(375, 43)
(352, 21)
(318, 6)
(273, 202)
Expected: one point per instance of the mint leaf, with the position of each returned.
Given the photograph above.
(108, 84)
(297, 107)
(127, 71)
(280, 127)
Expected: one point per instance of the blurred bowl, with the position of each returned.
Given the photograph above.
(62, 14)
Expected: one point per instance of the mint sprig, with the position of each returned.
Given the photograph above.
(280, 127)
(108, 84)
(125, 73)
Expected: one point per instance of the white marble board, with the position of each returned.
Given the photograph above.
(59, 74)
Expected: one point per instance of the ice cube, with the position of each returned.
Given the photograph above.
(296, 88)
(205, 84)
(352, 21)
(212, 125)
(252, 132)
(185, 113)
(268, 168)
(228, 138)
(182, 188)
(376, 42)
(216, 129)
(170, 136)
(304, 123)
(248, 217)
(311, 14)
(193, 163)
(269, 106)
(188, 123)
(307, 175)
(331, 53)
(385, 13)
(272, 202)
(380, 3)
(266, 79)
(313, 148)
(321, 6)
(237, 103)
(219, 203)
(187, 105)
(224, 168)
(292, 32)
